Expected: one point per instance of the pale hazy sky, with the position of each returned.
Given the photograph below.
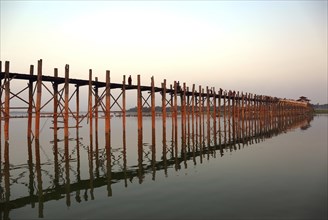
(276, 48)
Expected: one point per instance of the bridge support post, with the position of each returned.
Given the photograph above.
(0, 106)
(183, 116)
(219, 115)
(164, 112)
(30, 104)
(55, 87)
(175, 114)
(172, 112)
(200, 115)
(107, 113)
(38, 100)
(214, 116)
(77, 106)
(66, 87)
(124, 110)
(193, 114)
(208, 129)
(153, 113)
(139, 107)
(96, 105)
(90, 112)
(188, 116)
(7, 99)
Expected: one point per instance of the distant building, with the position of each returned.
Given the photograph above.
(303, 99)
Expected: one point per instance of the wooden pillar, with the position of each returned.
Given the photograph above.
(200, 114)
(208, 129)
(188, 115)
(219, 115)
(243, 113)
(124, 107)
(55, 87)
(153, 113)
(38, 100)
(203, 118)
(225, 117)
(183, 115)
(77, 106)
(30, 104)
(193, 115)
(175, 113)
(172, 111)
(90, 112)
(164, 113)
(107, 114)
(66, 101)
(214, 117)
(139, 106)
(0, 108)
(96, 105)
(7, 99)
(229, 115)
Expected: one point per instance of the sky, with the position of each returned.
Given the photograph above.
(276, 48)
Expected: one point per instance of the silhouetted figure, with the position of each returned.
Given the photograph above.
(178, 86)
(130, 80)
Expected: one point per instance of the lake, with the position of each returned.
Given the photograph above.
(271, 169)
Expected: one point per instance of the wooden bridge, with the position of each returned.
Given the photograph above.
(194, 104)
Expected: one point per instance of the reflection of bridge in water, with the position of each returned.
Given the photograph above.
(174, 156)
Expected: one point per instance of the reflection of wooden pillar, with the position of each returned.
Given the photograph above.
(30, 104)
(66, 101)
(90, 113)
(39, 177)
(139, 106)
(67, 176)
(6, 173)
(38, 100)
(55, 87)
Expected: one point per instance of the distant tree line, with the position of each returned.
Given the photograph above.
(159, 109)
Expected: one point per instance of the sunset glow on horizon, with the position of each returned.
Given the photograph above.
(276, 48)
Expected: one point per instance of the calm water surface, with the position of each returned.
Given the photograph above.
(276, 175)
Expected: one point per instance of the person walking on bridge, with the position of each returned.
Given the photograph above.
(130, 80)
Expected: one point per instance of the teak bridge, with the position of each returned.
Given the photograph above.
(194, 104)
